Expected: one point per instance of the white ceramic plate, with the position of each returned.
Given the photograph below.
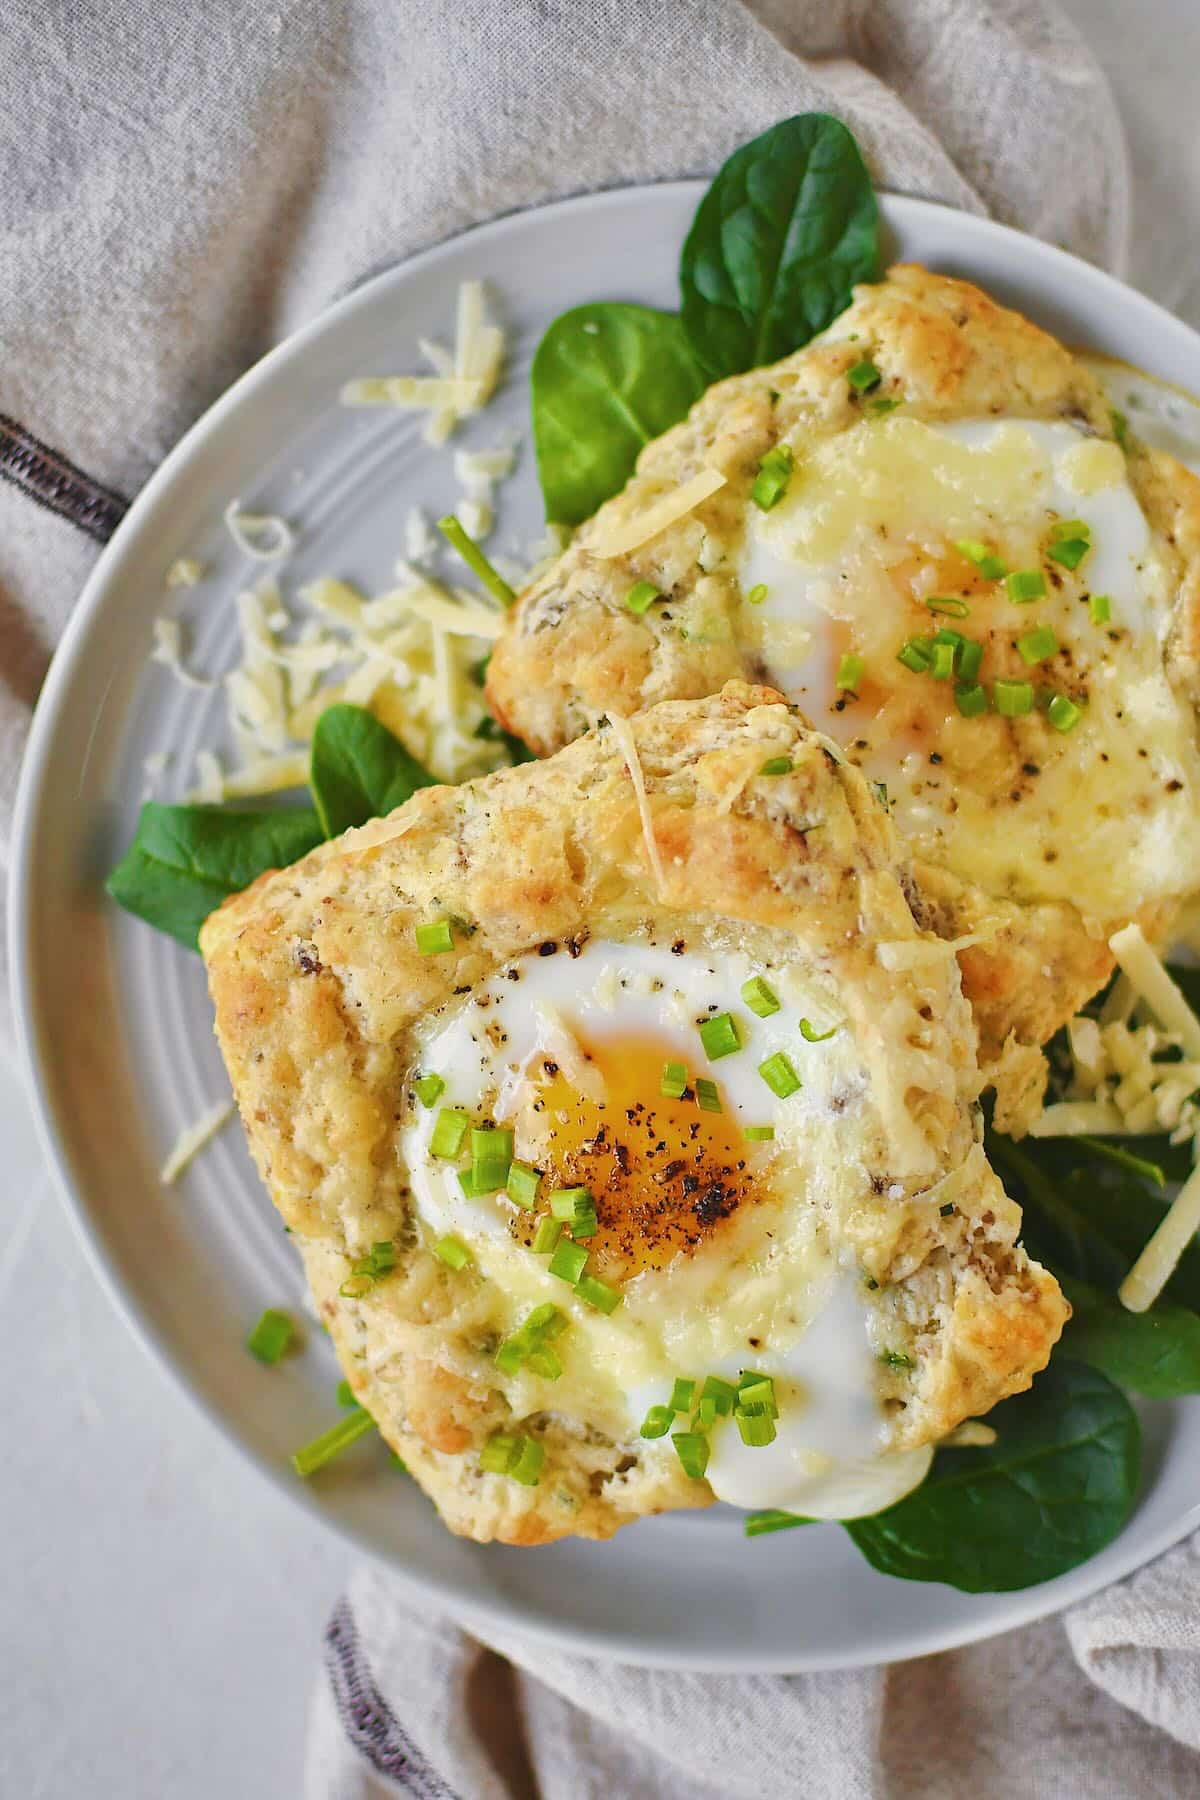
(116, 1021)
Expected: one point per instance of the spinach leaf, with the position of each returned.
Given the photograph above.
(359, 770)
(1056, 1486)
(784, 232)
(606, 379)
(184, 860)
(1085, 1217)
(1156, 1353)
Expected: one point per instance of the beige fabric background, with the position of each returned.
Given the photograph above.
(179, 187)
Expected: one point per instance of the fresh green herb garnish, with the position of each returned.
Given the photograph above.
(271, 1337)
(787, 228)
(605, 380)
(358, 770)
(184, 860)
(457, 536)
(331, 1443)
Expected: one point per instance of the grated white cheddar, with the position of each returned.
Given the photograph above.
(1159, 1260)
(414, 393)
(168, 650)
(464, 381)
(1150, 980)
(622, 535)
(623, 736)
(185, 571)
(193, 1138)
(264, 537)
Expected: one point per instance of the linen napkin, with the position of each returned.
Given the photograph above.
(179, 188)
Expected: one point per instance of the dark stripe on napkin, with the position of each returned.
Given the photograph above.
(49, 479)
(368, 1720)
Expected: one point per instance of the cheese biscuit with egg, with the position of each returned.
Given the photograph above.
(929, 531)
(624, 1111)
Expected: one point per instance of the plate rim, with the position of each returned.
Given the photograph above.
(503, 1614)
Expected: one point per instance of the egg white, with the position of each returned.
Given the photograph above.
(771, 1295)
(847, 558)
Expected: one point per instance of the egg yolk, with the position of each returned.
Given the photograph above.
(666, 1177)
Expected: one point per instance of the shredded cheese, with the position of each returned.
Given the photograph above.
(1077, 1118)
(1151, 981)
(193, 1138)
(264, 537)
(624, 535)
(168, 650)
(413, 393)
(185, 571)
(1157, 1263)
(210, 782)
(626, 743)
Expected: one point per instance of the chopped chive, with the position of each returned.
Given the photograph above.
(779, 1075)
(571, 1203)
(672, 1083)
(568, 1262)
(498, 1453)
(522, 1185)
(758, 1134)
(683, 1392)
(879, 788)
(346, 1395)
(885, 405)
(452, 530)
(1120, 426)
(755, 1390)
(380, 1260)
(545, 1321)
(1070, 528)
(356, 1287)
(1013, 699)
(1100, 607)
(757, 594)
(429, 1089)
(271, 1336)
(1063, 714)
(511, 1354)
(641, 596)
(760, 998)
(722, 1393)
(1037, 645)
(453, 1251)
(850, 672)
(1069, 551)
(691, 1447)
(811, 1035)
(490, 1143)
(777, 765)
(774, 473)
(545, 1362)
(331, 1443)
(756, 1430)
(449, 1130)
(916, 654)
(970, 659)
(527, 1464)
(483, 1178)
(896, 1359)
(758, 1524)
(971, 700)
(597, 1293)
(547, 1234)
(436, 938)
(719, 1036)
(864, 376)
(988, 564)
(1024, 585)
(705, 1415)
(657, 1422)
(708, 1098)
(949, 605)
(942, 665)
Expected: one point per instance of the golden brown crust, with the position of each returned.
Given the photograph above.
(321, 994)
(572, 650)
